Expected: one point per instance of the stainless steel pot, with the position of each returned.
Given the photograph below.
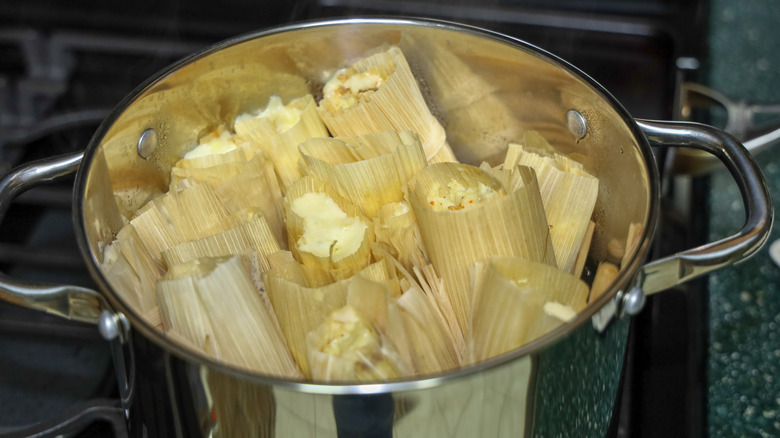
(559, 385)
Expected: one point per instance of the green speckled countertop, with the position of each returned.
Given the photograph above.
(744, 347)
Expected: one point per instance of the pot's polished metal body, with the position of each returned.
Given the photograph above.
(561, 384)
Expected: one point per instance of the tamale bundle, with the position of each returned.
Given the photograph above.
(465, 216)
(370, 183)
(346, 347)
(300, 308)
(325, 230)
(569, 195)
(220, 291)
(518, 301)
(132, 270)
(278, 130)
(378, 94)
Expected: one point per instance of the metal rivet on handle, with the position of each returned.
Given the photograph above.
(147, 143)
(634, 301)
(577, 124)
(113, 325)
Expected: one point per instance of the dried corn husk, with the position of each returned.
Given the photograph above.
(132, 270)
(510, 310)
(632, 240)
(281, 142)
(506, 224)
(395, 105)
(256, 190)
(582, 256)
(243, 330)
(341, 266)
(369, 183)
(346, 347)
(182, 312)
(301, 307)
(425, 278)
(396, 231)
(429, 341)
(606, 273)
(569, 196)
(253, 235)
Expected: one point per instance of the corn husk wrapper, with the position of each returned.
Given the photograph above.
(184, 313)
(424, 277)
(253, 235)
(178, 217)
(244, 332)
(632, 241)
(507, 224)
(582, 256)
(369, 183)
(606, 273)
(346, 347)
(215, 168)
(344, 267)
(396, 230)
(431, 346)
(300, 308)
(133, 272)
(280, 143)
(510, 309)
(397, 105)
(240, 153)
(569, 196)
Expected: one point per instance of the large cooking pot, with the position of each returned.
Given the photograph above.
(562, 384)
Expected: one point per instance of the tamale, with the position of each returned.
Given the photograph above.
(278, 130)
(512, 299)
(244, 332)
(569, 195)
(347, 348)
(132, 270)
(325, 230)
(182, 311)
(377, 94)
(465, 216)
(369, 183)
(300, 308)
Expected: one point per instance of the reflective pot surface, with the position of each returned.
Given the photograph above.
(561, 384)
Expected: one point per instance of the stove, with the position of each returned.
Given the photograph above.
(64, 65)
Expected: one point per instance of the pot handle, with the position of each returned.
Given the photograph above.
(71, 302)
(669, 271)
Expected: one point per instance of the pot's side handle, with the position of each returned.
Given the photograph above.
(669, 271)
(72, 302)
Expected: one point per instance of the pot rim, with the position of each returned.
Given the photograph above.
(625, 275)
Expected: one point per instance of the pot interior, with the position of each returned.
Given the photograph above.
(541, 93)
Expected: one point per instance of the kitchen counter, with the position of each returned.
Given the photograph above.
(744, 340)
